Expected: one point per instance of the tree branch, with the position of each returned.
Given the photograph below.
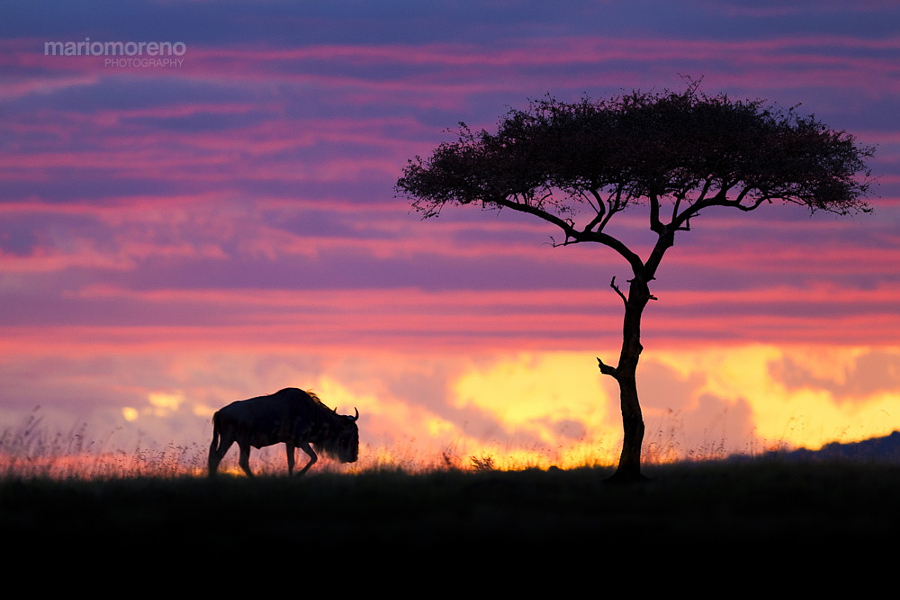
(566, 226)
(614, 206)
(681, 221)
(656, 225)
(600, 208)
(572, 233)
(613, 285)
(608, 370)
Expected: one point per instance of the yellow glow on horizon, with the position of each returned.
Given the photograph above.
(556, 409)
(737, 400)
(814, 418)
(544, 409)
(552, 410)
(804, 414)
(556, 398)
(469, 453)
(385, 416)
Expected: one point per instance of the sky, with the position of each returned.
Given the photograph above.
(183, 230)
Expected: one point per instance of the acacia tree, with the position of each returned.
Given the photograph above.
(577, 165)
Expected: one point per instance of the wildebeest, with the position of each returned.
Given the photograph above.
(291, 416)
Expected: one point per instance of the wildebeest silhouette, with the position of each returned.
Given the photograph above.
(291, 416)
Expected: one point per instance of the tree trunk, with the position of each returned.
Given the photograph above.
(629, 468)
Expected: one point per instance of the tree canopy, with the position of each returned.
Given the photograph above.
(576, 165)
(557, 159)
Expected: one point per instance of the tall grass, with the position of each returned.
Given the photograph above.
(35, 450)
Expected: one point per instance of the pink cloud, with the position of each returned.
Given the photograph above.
(404, 319)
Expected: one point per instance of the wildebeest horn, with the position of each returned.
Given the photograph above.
(357, 413)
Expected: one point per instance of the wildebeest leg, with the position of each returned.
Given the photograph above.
(217, 453)
(290, 457)
(312, 457)
(244, 460)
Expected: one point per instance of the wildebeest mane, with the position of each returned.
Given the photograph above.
(318, 412)
(317, 400)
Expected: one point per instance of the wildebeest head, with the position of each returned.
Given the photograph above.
(342, 443)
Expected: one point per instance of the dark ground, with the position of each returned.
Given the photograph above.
(764, 507)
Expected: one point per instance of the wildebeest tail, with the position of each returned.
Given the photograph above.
(215, 441)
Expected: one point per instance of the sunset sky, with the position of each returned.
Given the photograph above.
(177, 236)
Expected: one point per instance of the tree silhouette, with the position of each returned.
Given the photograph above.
(577, 165)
